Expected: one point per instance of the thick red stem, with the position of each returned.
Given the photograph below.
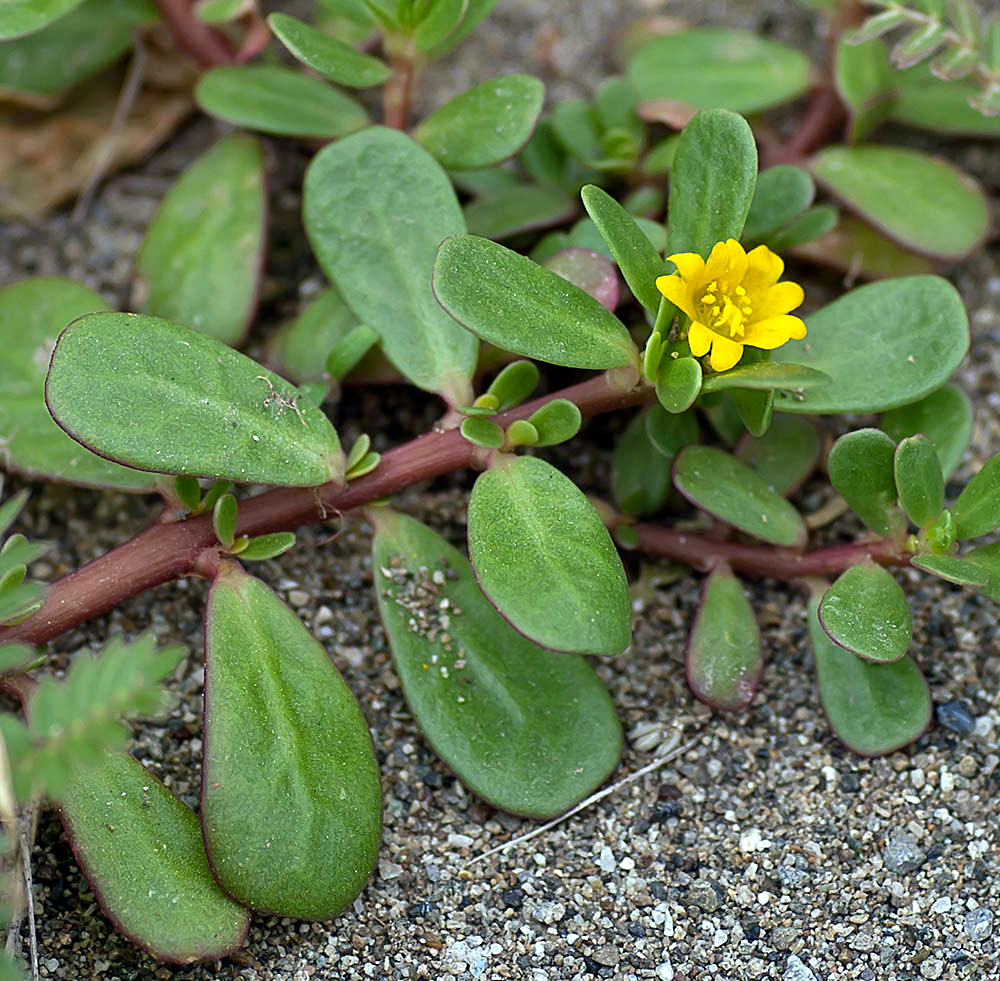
(207, 46)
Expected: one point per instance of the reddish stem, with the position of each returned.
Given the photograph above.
(762, 560)
(399, 91)
(207, 46)
(164, 552)
(824, 116)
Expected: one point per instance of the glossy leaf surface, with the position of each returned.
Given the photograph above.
(545, 561)
(785, 455)
(781, 194)
(873, 708)
(142, 852)
(520, 306)
(592, 272)
(923, 202)
(376, 207)
(670, 432)
(729, 489)
(328, 56)
(865, 612)
(765, 375)
(883, 345)
(977, 510)
(944, 417)
(32, 313)
(172, 400)
(951, 568)
(861, 467)
(20, 17)
(279, 100)
(518, 208)
(485, 124)
(678, 383)
(202, 256)
(919, 480)
(530, 730)
(640, 475)
(712, 182)
(291, 796)
(724, 660)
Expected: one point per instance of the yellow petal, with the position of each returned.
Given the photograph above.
(700, 339)
(764, 269)
(774, 332)
(737, 262)
(689, 265)
(780, 298)
(677, 292)
(717, 266)
(725, 353)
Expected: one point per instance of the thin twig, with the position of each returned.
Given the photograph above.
(593, 799)
(126, 101)
(25, 840)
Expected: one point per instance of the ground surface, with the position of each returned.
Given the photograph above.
(766, 851)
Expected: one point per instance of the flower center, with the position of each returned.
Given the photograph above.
(725, 311)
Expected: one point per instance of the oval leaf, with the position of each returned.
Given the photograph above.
(977, 510)
(556, 422)
(865, 612)
(484, 125)
(782, 193)
(884, 345)
(678, 383)
(278, 100)
(328, 56)
(944, 417)
(640, 476)
(590, 271)
(376, 206)
(873, 708)
(142, 852)
(726, 487)
(291, 796)
(713, 67)
(520, 208)
(919, 480)
(202, 256)
(712, 182)
(724, 660)
(923, 202)
(514, 384)
(175, 401)
(953, 569)
(545, 561)
(861, 467)
(785, 455)
(518, 305)
(766, 375)
(530, 730)
(20, 17)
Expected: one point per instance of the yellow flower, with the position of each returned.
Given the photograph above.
(733, 299)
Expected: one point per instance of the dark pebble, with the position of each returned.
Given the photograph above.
(637, 930)
(512, 898)
(420, 909)
(658, 891)
(849, 783)
(957, 716)
(751, 931)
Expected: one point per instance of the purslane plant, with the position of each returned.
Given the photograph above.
(490, 649)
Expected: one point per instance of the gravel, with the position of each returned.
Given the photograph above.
(765, 851)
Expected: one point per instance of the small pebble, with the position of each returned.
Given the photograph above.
(796, 970)
(389, 870)
(702, 895)
(607, 956)
(549, 912)
(902, 853)
(979, 923)
(931, 968)
(941, 905)
(957, 716)
(968, 766)
(607, 860)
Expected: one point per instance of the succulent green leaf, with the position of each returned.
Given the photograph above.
(678, 383)
(299, 349)
(644, 202)
(521, 433)
(476, 11)
(188, 492)
(10, 509)
(670, 432)
(555, 422)
(865, 612)
(755, 407)
(484, 125)
(530, 730)
(514, 384)
(482, 432)
(987, 558)
(520, 306)
(782, 194)
(364, 466)
(814, 223)
(861, 468)
(785, 455)
(202, 256)
(977, 510)
(923, 202)
(20, 17)
(640, 475)
(873, 708)
(350, 351)
(545, 561)
(721, 411)
(171, 400)
(32, 313)
(278, 100)
(376, 207)
(440, 20)
(631, 249)
(224, 519)
(592, 272)
(16, 657)
(712, 183)
(766, 375)
(727, 488)
(291, 796)
(519, 208)
(919, 481)
(141, 850)
(940, 106)
(865, 82)
(944, 417)
(724, 660)
(883, 345)
(576, 127)
(951, 568)
(80, 44)
(715, 67)
(267, 546)
(328, 56)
